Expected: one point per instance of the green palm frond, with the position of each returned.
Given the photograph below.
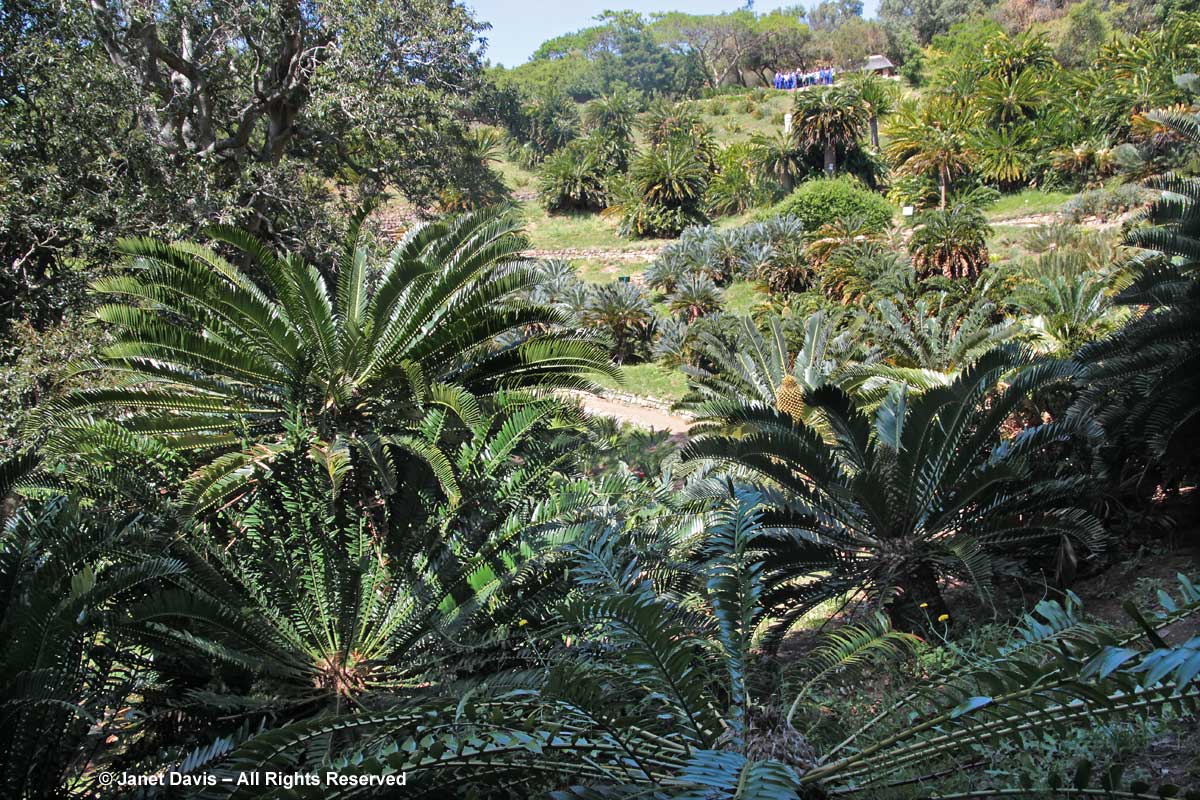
(888, 498)
(216, 359)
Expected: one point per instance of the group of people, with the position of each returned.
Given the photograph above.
(798, 80)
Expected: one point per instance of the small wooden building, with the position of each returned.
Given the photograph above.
(880, 65)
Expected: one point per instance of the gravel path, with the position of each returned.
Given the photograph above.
(633, 256)
(643, 416)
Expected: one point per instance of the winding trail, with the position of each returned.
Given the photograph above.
(641, 415)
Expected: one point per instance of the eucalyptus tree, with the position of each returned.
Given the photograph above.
(155, 117)
(216, 359)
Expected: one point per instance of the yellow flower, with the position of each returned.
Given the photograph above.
(943, 617)
(924, 605)
(522, 623)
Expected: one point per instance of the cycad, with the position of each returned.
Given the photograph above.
(778, 157)
(1009, 100)
(923, 488)
(879, 98)
(951, 241)
(1068, 306)
(622, 311)
(214, 358)
(832, 118)
(753, 366)
(931, 138)
(694, 296)
(297, 589)
(573, 179)
(1145, 378)
(613, 114)
(67, 665)
(652, 699)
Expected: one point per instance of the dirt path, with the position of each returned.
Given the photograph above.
(1028, 221)
(633, 256)
(1040, 220)
(643, 416)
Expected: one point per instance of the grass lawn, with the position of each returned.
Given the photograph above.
(651, 380)
(562, 231)
(1007, 242)
(736, 118)
(516, 177)
(1027, 203)
(601, 270)
(741, 297)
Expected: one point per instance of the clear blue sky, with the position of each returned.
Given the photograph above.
(519, 26)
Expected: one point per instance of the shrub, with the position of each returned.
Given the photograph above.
(1106, 203)
(667, 191)
(733, 188)
(818, 201)
(573, 179)
(622, 311)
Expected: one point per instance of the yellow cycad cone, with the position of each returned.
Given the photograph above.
(789, 398)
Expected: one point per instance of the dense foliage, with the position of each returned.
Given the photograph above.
(297, 483)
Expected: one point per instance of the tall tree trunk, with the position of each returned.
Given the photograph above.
(875, 131)
(830, 158)
(942, 186)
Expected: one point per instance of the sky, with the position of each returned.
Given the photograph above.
(519, 26)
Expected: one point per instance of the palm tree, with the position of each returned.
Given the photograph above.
(671, 176)
(879, 97)
(622, 311)
(931, 137)
(1144, 380)
(694, 296)
(778, 157)
(295, 588)
(923, 489)
(951, 241)
(832, 118)
(217, 359)
(573, 179)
